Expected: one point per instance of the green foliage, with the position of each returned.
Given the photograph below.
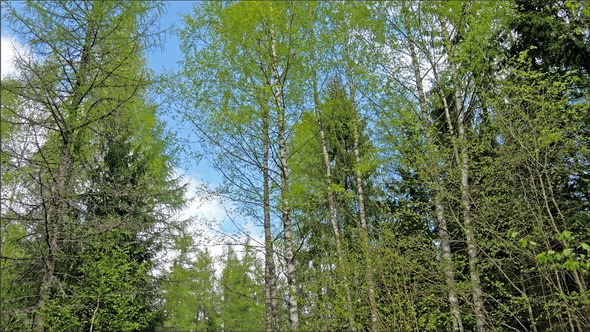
(463, 109)
(540, 142)
(190, 293)
(94, 181)
(556, 30)
(242, 305)
(111, 289)
(403, 266)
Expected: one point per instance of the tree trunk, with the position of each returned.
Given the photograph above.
(60, 201)
(285, 193)
(364, 234)
(270, 280)
(461, 152)
(53, 222)
(443, 232)
(466, 205)
(365, 231)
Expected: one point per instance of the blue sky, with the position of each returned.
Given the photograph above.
(198, 172)
(157, 60)
(160, 60)
(166, 60)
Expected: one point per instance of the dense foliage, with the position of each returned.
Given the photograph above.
(86, 185)
(410, 166)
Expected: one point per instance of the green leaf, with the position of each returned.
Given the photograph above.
(571, 265)
(565, 235)
(542, 257)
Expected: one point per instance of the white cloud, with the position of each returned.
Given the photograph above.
(206, 213)
(210, 216)
(9, 49)
(202, 205)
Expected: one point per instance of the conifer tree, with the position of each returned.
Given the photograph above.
(96, 182)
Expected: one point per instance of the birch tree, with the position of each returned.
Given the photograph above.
(252, 85)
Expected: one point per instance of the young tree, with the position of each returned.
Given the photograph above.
(190, 294)
(408, 26)
(537, 149)
(242, 294)
(325, 261)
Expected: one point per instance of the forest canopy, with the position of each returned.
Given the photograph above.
(391, 166)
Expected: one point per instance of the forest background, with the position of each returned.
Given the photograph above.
(373, 166)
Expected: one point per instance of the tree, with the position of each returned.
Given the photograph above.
(254, 86)
(111, 289)
(555, 30)
(97, 181)
(414, 166)
(345, 286)
(405, 23)
(241, 307)
(447, 177)
(192, 299)
(537, 148)
(328, 225)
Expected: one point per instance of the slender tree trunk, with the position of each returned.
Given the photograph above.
(59, 203)
(462, 155)
(285, 193)
(48, 274)
(344, 287)
(463, 163)
(461, 150)
(549, 199)
(443, 232)
(364, 229)
(445, 246)
(528, 306)
(270, 279)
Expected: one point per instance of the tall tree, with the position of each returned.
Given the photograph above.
(329, 181)
(98, 179)
(405, 23)
(191, 295)
(253, 87)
